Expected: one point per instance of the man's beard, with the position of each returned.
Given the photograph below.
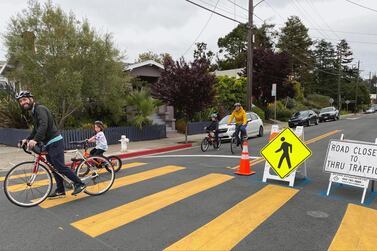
(27, 107)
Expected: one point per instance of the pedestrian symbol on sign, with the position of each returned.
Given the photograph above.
(286, 147)
(285, 153)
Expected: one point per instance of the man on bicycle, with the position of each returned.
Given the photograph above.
(214, 126)
(241, 122)
(45, 131)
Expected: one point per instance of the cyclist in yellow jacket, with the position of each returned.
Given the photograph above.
(239, 115)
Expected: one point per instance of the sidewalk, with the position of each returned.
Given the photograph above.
(12, 155)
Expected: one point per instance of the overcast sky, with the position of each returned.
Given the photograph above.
(173, 25)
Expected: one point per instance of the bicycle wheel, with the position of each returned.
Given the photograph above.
(25, 189)
(217, 144)
(204, 145)
(233, 145)
(116, 162)
(100, 177)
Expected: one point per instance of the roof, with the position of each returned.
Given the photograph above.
(145, 63)
(230, 73)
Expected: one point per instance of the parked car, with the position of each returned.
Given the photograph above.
(254, 126)
(303, 118)
(371, 109)
(328, 113)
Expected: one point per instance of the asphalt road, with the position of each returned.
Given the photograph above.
(196, 202)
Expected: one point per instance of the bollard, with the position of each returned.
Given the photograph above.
(123, 143)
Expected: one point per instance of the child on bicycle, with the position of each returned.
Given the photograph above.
(214, 126)
(100, 139)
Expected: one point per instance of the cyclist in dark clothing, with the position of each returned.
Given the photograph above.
(214, 126)
(46, 132)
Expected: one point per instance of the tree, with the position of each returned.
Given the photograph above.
(65, 63)
(295, 41)
(11, 114)
(234, 45)
(270, 68)
(189, 87)
(325, 71)
(229, 91)
(149, 55)
(144, 106)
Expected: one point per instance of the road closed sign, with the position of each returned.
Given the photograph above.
(352, 158)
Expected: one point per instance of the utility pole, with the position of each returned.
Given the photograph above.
(339, 74)
(250, 52)
(357, 84)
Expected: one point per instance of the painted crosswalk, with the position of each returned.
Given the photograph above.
(227, 230)
(357, 230)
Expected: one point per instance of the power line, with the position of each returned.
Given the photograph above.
(362, 6)
(202, 30)
(241, 7)
(222, 9)
(349, 32)
(323, 20)
(215, 12)
(307, 16)
(359, 42)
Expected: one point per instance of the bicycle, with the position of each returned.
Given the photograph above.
(236, 143)
(29, 183)
(79, 157)
(210, 140)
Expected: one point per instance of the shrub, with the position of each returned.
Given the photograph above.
(259, 111)
(180, 125)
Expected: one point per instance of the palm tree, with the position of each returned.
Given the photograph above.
(144, 106)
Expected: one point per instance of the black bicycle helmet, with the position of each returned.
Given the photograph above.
(23, 94)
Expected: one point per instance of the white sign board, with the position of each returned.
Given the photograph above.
(352, 158)
(273, 90)
(349, 180)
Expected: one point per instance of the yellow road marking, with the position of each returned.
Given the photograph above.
(357, 231)
(44, 182)
(21, 187)
(124, 166)
(308, 142)
(122, 215)
(228, 229)
(133, 164)
(119, 182)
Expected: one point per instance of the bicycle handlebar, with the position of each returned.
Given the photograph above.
(39, 148)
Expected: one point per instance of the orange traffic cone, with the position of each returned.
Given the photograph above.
(273, 135)
(244, 168)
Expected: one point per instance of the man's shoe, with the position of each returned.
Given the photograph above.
(78, 188)
(56, 195)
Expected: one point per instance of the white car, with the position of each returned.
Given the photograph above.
(254, 126)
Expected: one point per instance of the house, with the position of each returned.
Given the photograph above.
(150, 71)
(5, 84)
(230, 73)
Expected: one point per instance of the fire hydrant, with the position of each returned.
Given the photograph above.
(123, 143)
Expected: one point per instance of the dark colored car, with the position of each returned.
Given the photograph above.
(303, 118)
(328, 113)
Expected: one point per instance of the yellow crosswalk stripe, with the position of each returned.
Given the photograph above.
(122, 215)
(357, 231)
(227, 230)
(119, 182)
(124, 166)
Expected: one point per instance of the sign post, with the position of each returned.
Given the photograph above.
(352, 163)
(284, 154)
(331, 101)
(347, 103)
(273, 94)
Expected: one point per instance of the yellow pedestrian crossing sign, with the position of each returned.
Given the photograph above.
(285, 153)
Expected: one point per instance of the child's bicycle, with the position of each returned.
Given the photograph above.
(79, 157)
(210, 140)
(29, 183)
